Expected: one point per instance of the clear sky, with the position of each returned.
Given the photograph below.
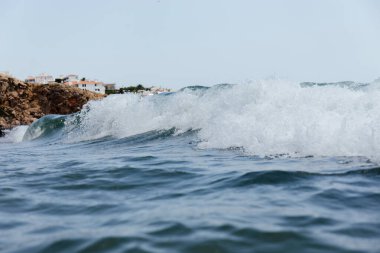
(175, 43)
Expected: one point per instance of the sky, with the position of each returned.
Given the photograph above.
(176, 43)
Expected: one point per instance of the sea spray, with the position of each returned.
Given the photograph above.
(14, 135)
(263, 117)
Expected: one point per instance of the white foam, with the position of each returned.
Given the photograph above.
(14, 135)
(264, 117)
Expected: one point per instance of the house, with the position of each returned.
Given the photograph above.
(110, 86)
(41, 79)
(70, 78)
(158, 90)
(93, 86)
(67, 78)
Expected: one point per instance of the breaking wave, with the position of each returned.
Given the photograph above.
(262, 118)
(45, 127)
(14, 135)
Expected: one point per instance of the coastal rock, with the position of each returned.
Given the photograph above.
(21, 103)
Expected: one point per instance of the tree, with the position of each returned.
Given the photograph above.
(132, 89)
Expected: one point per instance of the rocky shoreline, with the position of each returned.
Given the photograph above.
(21, 103)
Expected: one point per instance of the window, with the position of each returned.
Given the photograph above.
(83, 85)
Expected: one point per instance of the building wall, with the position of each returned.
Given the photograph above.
(44, 79)
(110, 86)
(70, 78)
(98, 88)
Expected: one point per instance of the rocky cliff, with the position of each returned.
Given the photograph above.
(21, 103)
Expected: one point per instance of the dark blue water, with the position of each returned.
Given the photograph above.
(291, 170)
(160, 193)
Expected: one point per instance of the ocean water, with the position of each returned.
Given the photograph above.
(266, 166)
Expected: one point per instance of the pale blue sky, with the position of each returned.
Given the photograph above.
(175, 43)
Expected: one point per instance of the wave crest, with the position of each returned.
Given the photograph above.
(263, 117)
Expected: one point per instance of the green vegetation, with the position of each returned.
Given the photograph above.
(110, 92)
(133, 89)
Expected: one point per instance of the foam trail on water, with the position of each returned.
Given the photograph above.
(263, 117)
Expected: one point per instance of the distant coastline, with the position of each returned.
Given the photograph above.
(22, 103)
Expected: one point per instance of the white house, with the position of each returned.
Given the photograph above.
(41, 79)
(158, 90)
(70, 78)
(93, 86)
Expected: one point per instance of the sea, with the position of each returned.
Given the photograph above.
(262, 166)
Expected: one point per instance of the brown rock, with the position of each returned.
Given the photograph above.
(22, 103)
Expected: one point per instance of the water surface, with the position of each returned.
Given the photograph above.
(154, 179)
